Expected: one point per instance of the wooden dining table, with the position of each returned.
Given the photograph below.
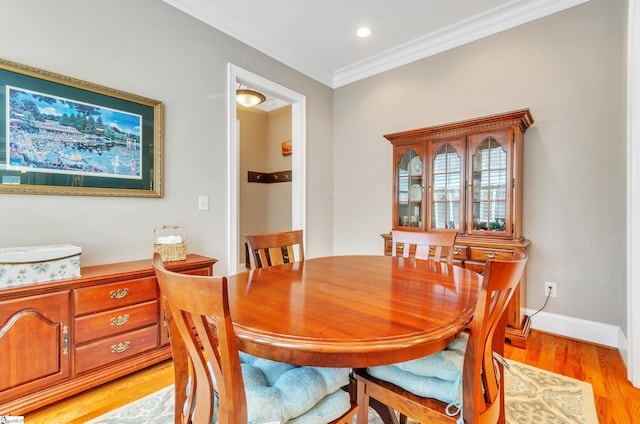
(351, 311)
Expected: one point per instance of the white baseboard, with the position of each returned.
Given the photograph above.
(581, 329)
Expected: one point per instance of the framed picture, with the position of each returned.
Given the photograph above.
(286, 148)
(60, 135)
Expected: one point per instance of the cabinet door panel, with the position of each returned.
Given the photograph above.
(490, 178)
(446, 184)
(34, 341)
(408, 190)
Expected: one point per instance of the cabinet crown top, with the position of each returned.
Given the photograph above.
(518, 118)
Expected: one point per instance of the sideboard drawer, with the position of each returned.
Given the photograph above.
(115, 348)
(115, 295)
(482, 255)
(102, 324)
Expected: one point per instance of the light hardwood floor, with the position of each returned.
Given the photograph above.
(109, 396)
(617, 401)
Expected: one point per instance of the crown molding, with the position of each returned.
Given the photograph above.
(244, 33)
(493, 21)
(475, 28)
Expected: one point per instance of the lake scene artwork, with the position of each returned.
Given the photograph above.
(47, 133)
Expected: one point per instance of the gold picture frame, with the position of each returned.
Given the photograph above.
(64, 136)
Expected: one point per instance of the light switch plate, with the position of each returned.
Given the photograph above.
(203, 203)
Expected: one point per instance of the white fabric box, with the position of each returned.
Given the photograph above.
(21, 266)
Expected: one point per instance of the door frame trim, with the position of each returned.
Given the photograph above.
(298, 157)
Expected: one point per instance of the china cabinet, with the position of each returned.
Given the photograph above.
(60, 338)
(466, 176)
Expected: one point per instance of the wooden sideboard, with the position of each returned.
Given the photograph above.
(60, 338)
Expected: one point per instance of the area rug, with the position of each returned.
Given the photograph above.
(532, 396)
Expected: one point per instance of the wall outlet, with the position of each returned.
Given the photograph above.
(549, 286)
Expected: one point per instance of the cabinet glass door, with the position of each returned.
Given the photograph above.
(447, 184)
(490, 186)
(409, 190)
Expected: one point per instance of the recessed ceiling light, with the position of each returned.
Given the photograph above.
(363, 32)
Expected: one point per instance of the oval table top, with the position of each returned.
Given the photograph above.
(351, 311)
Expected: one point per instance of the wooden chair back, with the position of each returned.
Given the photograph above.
(484, 400)
(274, 248)
(201, 302)
(424, 245)
(482, 376)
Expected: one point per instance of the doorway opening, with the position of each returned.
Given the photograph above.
(237, 75)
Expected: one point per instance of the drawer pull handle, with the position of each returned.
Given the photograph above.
(118, 294)
(457, 251)
(65, 340)
(491, 255)
(119, 320)
(120, 347)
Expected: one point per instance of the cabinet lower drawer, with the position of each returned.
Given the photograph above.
(115, 348)
(478, 267)
(460, 252)
(482, 254)
(115, 295)
(103, 324)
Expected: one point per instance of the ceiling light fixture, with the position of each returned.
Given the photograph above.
(363, 32)
(249, 98)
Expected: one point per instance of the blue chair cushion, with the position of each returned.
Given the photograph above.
(437, 376)
(279, 393)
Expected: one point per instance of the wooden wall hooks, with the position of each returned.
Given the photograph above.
(269, 177)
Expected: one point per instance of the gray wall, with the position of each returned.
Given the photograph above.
(567, 68)
(149, 48)
(279, 195)
(253, 197)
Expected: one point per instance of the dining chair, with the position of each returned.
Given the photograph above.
(214, 382)
(463, 382)
(274, 248)
(427, 244)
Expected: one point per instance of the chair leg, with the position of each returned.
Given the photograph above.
(363, 404)
(364, 401)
